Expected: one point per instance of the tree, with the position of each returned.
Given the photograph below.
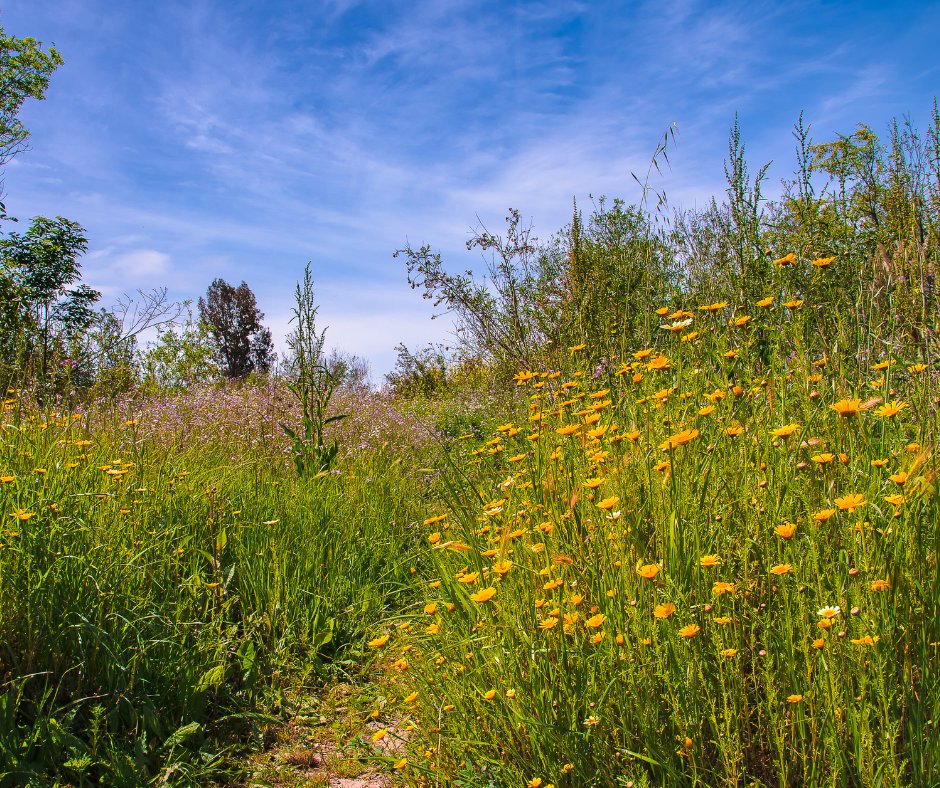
(348, 370)
(180, 357)
(42, 318)
(242, 345)
(24, 73)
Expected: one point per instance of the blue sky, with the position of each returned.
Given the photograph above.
(241, 139)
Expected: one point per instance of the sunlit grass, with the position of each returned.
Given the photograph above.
(153, 589)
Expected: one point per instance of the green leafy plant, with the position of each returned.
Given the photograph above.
(313, 386)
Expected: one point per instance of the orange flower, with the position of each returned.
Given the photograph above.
(664, 610)
(823, 514)
(728, 652)
(690, 630)
(484, 595)
(649, 571)
(785, 530)
(880, 585)
(710, 560)
(781, 569)
(890, 409)
(851, 502)
(679, 439)
(595, 621)
(847, 407)
(721, 587)
(785, 432)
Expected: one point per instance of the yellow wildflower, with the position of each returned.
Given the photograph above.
(721, 587)
(847, 407)
(890, 409)
(484, 595)
(785, 530)
(851, 502)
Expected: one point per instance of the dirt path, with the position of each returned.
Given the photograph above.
(328, 742)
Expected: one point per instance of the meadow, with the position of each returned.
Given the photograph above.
(166, 577)
(669, 517)
(684, 569)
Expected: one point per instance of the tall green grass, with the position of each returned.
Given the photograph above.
(156, 599)
(707, 562)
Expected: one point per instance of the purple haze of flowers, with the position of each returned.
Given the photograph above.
(246, 420)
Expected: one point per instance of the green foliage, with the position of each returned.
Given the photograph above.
(312, 387)
(872, 205)
(24, 73)
(242, 345)
(157, 599)
(181, 357)
(422, 373)
(498, 316)
(44, 319)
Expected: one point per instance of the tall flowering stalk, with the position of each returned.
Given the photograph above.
(313, 387)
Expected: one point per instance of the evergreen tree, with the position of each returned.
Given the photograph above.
(241, 344)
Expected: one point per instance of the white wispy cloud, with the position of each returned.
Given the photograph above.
(202, 139)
